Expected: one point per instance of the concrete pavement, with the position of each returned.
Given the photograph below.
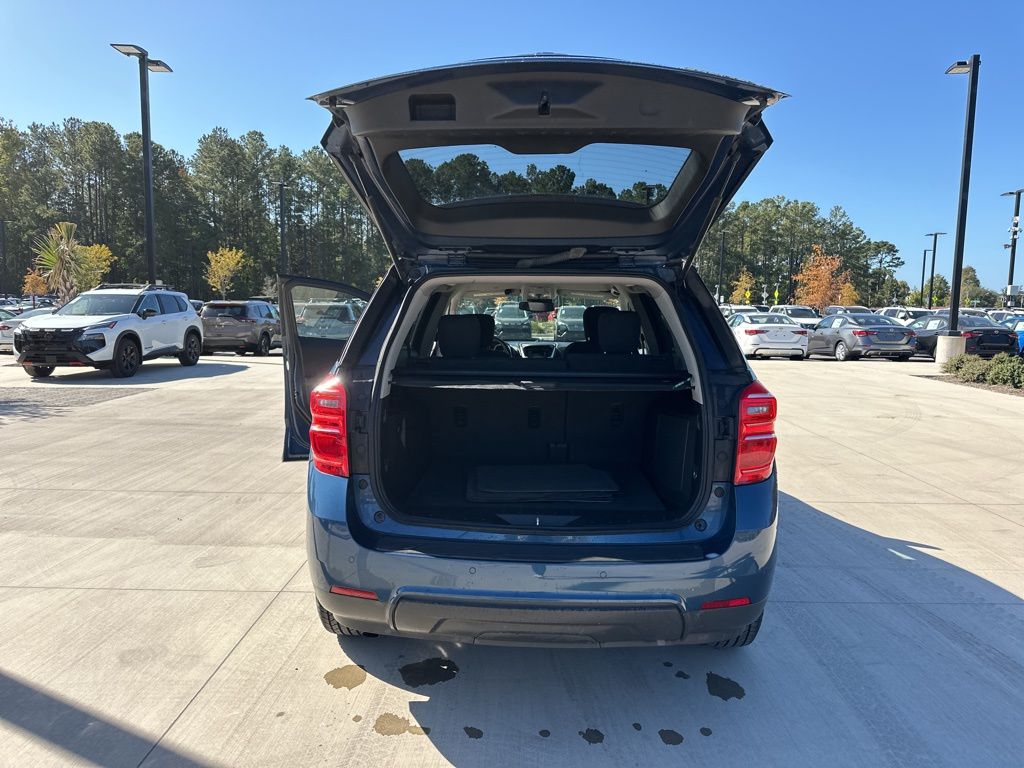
(155, 609)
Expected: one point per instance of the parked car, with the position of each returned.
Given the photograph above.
(569, 323)
(963, 311)
(9, 322)
(1002, 315)
(984, 337)
(243, 326)
(622, 495)
(728, 310)
(767, 333)
(112, 327)
(861, 334)
(853, 309)
(904, 315)
(197, 304)
(512, 323)
(803, 315)
(1015, 324)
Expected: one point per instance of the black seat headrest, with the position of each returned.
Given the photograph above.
(618, 333)
(590, 315)
(486, 330)
(459, 336)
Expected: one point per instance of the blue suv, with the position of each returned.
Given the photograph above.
(614, 489)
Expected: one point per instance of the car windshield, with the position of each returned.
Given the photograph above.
(224, 310)
(514, 324)
(99, 304)
(769, 319)
(800, 312)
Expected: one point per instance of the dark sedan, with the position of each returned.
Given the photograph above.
(983, 336)
(569, 324)
(847, 337)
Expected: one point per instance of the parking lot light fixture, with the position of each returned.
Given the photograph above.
(146, 65)
(1014, 233)
(931, 284)
(924, 263)
(970, 68)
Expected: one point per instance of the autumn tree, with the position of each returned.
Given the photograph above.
(222, 267)
(94, 263)
(848, 294)
(741, 286)
(821, 283)
(34, 283)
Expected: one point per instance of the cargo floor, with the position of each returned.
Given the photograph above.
(441, 494)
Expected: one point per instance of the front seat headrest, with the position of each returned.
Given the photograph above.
(590, 315)
(459, 335)
(618, 333)
(486, 330)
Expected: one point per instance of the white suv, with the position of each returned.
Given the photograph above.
(113, 326)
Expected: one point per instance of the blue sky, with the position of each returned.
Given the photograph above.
(873, 123)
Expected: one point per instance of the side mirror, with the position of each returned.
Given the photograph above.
(147, 313)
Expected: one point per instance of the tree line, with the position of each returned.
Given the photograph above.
(225, 196)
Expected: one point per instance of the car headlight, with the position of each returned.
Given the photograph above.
(100, 326)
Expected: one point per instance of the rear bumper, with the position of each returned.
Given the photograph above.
(886, 351)
(587, 602)
(227, 342)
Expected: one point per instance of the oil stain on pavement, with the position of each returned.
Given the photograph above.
(473, 733)
(724, 688)
(670, 737)
(705, 731)
(393, 725)
(349, 676)
(428, 672)
(592, 736)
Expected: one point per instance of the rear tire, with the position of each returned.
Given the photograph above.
(240, 352)
(842, 352)
(127, 359)
(189, 355)
(263, 346)
(331, 624)
(39, 371)
(746, 637)
(796, 357)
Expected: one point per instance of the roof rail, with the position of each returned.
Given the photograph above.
(136, 286)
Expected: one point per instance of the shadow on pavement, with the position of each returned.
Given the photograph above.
(873, 652)
(151, 372)
(45, 716)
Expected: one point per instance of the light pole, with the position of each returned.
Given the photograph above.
(721, 259)
(3, 250)
(924, 261)
(146, 65)
(1014, 232)
(282, 260)
(931, 284)
(970, 68)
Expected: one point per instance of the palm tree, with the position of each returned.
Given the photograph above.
(59, 258)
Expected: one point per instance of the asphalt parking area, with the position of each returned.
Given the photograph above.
(155, 610)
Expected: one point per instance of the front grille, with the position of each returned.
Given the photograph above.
(56, 337)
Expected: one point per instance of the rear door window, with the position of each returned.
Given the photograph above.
(168, 305)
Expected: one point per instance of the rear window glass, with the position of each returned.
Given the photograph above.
(632, 173)
(872, 319)
(224, 310)
(767, 319)
(800, 312)
(970, 321)
(572, 312)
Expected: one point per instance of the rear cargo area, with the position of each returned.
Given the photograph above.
(514, 456)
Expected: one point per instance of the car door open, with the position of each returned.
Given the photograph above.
(316, 322)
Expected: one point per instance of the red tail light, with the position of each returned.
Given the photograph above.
(4, 327)
(862, 332)
(909, 334)
(328, 434)
(970, 335)
(754, 331)
(734, 602)
(755, 439)
(801, 332)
